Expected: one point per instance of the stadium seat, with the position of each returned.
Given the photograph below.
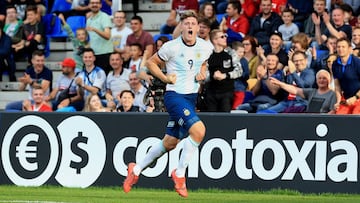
(52, 26)
(219, 17)
(320, 54)
(156, 37)
(76, 22)
(61, 6)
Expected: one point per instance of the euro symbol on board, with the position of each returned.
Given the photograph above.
(24, 152)
(84, 157)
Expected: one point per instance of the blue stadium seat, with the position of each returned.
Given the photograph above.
(61, 5)
(156, 37)
(220, 16)
(76, 22)
(52, 25)
(320, 54)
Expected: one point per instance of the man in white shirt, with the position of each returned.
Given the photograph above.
(119, 32)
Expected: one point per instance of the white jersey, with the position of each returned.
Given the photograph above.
(185, 61)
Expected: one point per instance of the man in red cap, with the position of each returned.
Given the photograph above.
(66, 93)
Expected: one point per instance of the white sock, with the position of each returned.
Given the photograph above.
(155, 152)
(189, 149)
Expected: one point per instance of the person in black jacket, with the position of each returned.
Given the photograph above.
(127, 102)
(271, 22)
(224, 66)
(6, 55)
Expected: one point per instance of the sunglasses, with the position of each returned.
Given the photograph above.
(223, 36)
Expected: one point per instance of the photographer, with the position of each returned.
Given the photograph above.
(155, 87)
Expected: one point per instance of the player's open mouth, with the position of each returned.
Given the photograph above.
(190, 32)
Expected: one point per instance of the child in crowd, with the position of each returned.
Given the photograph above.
(240, 84)
(135, 57)
(288, 29)
(80, 41)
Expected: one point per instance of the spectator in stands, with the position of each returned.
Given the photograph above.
(116, 81)
(288, 29)
(219, 5)
(135, 57)
(6, 59)
(319, 57)
(349, 15)
(139, 36)
(325, 65)
(93, 104)
(99, 27)
(79, 41)
(298, 75)
(127, 98)
(36, 75)
(66, 93)
(320, 100)
(139, 90)
(204, 30)
(266, 94)
(160, 41)
(301, 9)
(250, 54)
(207, 11)
(12, 24)
(355, 41)
(37, 102)
(21, 6)
(92, 78)
(338, 29)
(32, 36)
(120, 32)
(178, 7)
(300, 42)
(346, 70)
(264, 23)
(309, 26)
(236, 25)
(274, 48)
(223, 69)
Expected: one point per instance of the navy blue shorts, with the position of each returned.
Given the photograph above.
(181, 109)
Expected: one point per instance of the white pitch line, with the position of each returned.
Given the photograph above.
(28, 201)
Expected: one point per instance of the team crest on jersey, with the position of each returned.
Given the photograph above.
(198, 55)
(186, 112)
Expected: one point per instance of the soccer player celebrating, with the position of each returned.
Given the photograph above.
(185, 61)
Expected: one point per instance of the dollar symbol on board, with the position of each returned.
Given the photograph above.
(79, 152)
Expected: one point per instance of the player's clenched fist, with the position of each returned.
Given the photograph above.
(170, 78)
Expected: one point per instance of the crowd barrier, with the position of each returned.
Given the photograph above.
(308, 153)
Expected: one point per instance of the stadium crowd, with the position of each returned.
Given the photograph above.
(269, 56)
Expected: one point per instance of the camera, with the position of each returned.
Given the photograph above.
(80, 50)
(157, 90)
